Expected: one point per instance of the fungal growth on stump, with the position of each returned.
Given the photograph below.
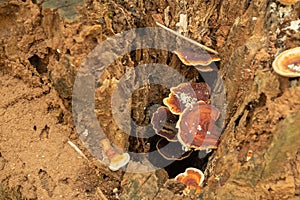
(192, 178)
(201, 61)
(196, 127)
(117, 159)
(185, 94)
(187, 122)
(287, 63)
(288, 2)
(172, 150)
(163, 122)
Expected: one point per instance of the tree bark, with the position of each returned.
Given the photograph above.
(43, 45)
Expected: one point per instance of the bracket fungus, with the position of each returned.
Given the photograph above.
(199, 60)
(185, 94)
(192, 178)
(194, 130)
(164, 122)
(116, 158)
(287, 63)
(288, 2)
(196, 127)
(193, 58)
(171, 150)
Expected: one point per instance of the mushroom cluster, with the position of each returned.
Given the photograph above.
(187, 122)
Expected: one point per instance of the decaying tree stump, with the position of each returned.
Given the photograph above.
(44, 43)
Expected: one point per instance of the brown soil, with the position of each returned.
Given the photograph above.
(44, 43)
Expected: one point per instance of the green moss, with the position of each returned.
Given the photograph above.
(131, 189)
(110, 15)
(286, 140)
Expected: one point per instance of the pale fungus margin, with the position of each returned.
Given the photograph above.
(171, 150)
(193, 178)
(117, 159)
(287, 63)
(163, 122)
(201, 61)
(185, 94)
(202, 137)
(288, 2)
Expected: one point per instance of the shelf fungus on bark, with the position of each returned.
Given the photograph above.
(117, 159)
(163, 122)
(287, 63)
(288, 2)
(192, 178)
(200, 60)
(185, 94)
(196, 127)
(171, 150)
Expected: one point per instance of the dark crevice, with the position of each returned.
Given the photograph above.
(60, 118)
(238, 119)
(247, 4)
(45, 132)
(257, 103)
(68, 52)
(38, 64)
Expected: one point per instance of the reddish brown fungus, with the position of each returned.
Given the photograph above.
(196, 127)
(185, 94)
(192, 178)
(200, 60)
(287, 63)
(164, 122)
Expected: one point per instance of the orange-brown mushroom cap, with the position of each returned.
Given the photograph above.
(185, 94)
(288, 2)
(164, 123)
(287, 63)
(192, 58)
(196, 127)
(192, 178)
(171, 150)
(116, 158)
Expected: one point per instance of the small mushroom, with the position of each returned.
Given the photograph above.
(196, 127)
(249, 155)
(185, 94)
(171, 150)
(288, 2)
(200, 60)
(164, 122)
(287, 63)
(192, 178)
(116, 158)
